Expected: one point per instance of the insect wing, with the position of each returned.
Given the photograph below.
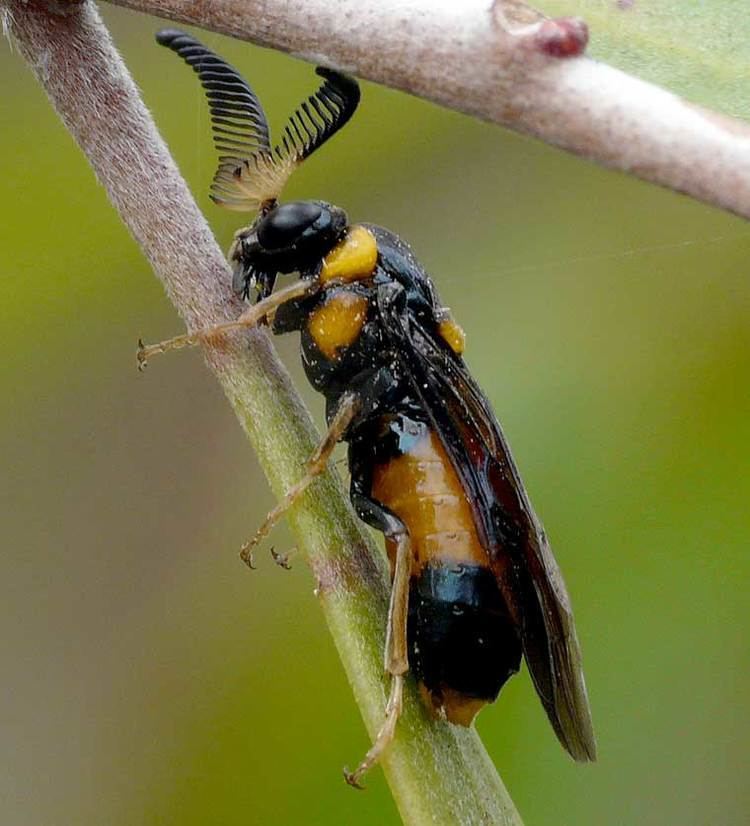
(481, 457)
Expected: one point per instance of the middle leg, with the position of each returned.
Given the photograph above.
(342, 418)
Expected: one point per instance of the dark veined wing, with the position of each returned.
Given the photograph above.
(480, 455)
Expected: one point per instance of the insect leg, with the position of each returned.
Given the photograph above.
(385, 735)
(282, 560)
(396, 656)
(252, 316)
(345, 412)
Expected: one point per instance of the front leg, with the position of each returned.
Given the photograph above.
(252, 316)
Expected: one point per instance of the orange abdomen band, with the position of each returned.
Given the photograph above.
(423, 490)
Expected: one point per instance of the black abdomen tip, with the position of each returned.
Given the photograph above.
(461, 636)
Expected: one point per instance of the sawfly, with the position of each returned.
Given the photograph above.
(475, 586)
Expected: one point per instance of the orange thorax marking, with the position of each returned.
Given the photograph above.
(353, 259)
(453, 334)
(337, 322)
(423, 490)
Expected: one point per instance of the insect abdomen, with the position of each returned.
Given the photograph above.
(462, 643)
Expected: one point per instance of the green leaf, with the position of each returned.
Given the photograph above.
(699, 49)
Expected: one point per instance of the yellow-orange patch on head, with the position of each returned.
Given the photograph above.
(337, 323)
(353, 258)
(453, 334)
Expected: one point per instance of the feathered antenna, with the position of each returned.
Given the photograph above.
(251, 175)
(320, 116)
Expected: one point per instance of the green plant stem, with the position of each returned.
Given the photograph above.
(438, 773)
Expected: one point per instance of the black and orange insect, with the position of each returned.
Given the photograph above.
(474, 582)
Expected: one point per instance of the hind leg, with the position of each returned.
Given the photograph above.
(396, 661)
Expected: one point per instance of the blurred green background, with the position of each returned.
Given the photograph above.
(149, 678)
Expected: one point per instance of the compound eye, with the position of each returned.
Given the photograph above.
(282, 227)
